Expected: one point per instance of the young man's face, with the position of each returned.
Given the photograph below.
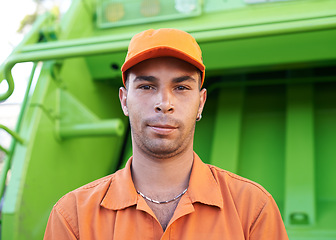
(162, 101)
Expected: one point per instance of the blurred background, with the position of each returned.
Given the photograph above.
(16, 20)
(270, 114)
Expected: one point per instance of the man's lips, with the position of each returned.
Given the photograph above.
(163, 129)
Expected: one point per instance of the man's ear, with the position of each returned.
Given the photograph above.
(203, 97)
(123, 100)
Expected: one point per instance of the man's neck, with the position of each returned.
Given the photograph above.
(161, 178)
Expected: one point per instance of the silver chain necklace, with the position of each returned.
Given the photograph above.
(162, 202)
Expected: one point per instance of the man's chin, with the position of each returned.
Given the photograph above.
(163, 151)
(161, 147)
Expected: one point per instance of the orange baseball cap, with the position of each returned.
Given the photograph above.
(165, 42)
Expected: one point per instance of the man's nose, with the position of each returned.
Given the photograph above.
(164, 102)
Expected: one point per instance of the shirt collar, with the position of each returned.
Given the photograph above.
(203, 187)
(121, 193)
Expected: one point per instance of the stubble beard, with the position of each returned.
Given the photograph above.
(162, 147)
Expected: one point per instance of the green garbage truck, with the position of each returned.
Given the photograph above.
(270, 114)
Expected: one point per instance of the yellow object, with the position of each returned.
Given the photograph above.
(150, 8)
(115, 12)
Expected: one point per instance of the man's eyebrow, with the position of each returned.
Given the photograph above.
(145, 78)
(183, 79)
(154, 79)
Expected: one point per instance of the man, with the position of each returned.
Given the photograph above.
(165, 191)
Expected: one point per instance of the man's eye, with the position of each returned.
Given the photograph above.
(182, 88)
(145, 87)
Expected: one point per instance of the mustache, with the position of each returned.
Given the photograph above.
(163, 120)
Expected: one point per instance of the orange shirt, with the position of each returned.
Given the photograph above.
(217, 205)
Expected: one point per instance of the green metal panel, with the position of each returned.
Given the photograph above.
(227, 130)
(48, 167)
(262, 142)
(237, 53)
(300, 184)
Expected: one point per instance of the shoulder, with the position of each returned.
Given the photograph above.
(240, 188)
(86, 196)
(82, 203)
(247, 197)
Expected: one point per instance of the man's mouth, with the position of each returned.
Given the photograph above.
(163, 129)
